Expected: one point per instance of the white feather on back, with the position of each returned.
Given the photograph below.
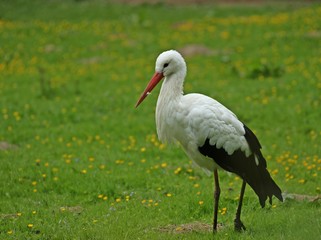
(197, 117)
(210, 119)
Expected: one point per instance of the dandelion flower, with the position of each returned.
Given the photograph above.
(143, 149)
(223, 211)
(164, 165)
(301, 181)
(178, 170)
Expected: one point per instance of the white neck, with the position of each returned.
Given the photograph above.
(168, 103)
(172, 88)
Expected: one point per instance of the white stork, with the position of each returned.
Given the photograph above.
(211, 135)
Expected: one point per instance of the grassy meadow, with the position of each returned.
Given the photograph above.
(78, 161)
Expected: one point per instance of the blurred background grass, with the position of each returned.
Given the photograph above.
(78, 161)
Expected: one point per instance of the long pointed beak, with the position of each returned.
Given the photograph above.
(152, 83)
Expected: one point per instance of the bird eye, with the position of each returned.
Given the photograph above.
(165, 65)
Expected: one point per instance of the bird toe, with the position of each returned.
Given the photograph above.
(239, 226)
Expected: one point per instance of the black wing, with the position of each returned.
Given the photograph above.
(256, 175)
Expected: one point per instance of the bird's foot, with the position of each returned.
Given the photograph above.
(238, 225)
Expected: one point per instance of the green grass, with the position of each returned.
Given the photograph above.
(87, 165)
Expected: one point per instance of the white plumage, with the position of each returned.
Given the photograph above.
(191, 119)
(211, 135)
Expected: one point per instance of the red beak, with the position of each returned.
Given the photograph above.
(152, 83)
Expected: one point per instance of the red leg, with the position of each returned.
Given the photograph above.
(217, 192)
(238, 225)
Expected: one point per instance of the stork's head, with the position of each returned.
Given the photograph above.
(167, 63)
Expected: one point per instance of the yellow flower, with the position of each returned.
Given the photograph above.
(30, 225)
(143, 149)
(178, 170)
(119, 161)
(161, 146)
(301, 181)
(223, 210)
(201, 202)
(164, 165)
(143, 160)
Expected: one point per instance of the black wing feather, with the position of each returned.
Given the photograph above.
(255, 175)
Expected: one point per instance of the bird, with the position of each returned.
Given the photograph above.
(210, 134)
